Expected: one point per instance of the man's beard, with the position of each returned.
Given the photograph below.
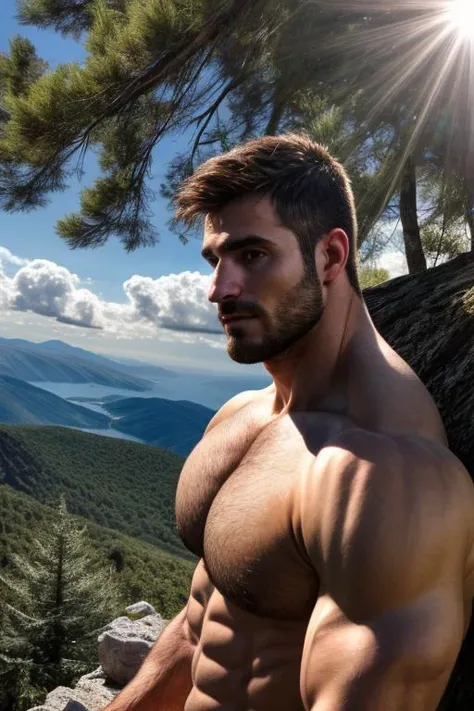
(298, 312)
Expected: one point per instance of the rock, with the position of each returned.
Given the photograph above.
(141, 608)
(95, 693)
(97, 674)
(124, 644)
(88, 695)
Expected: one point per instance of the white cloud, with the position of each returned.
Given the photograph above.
(6, 257)
(5, 290)
(176, 304)
(48, 289)
(177, 301)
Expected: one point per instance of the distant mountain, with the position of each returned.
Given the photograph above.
(134, 368)
(28, 361)
(22, 403)
(64, 349)
(173, 425)
(59, 348)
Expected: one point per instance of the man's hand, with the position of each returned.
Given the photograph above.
(385, 523)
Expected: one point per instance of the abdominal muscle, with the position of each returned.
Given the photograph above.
(243, 662)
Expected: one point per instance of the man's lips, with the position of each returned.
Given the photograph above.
(234, 317)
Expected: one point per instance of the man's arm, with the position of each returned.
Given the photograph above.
(388, 538)
(163, 682)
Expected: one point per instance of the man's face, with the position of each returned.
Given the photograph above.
(268, 298)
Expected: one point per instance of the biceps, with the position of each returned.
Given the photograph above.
(401, 659)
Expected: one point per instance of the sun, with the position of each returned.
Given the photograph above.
(461, 17)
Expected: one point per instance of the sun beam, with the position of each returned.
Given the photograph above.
(461, 17)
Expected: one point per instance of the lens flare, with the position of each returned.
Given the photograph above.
(461, 17)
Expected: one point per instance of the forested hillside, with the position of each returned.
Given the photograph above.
(143, 571)
(122, 485)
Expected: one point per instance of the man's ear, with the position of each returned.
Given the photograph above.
(332, 253)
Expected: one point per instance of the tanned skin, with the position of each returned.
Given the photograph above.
(333, 525)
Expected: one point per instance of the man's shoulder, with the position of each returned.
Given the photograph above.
(397, 463)
(356, 449)
(405, 481)
(236, 403)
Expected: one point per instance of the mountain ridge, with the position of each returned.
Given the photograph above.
(23, 403)
(31, 365)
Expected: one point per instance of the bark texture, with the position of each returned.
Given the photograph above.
(429, 319)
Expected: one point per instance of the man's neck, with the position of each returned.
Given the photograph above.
(311, 373)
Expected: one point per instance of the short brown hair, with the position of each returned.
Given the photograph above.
(310, 190)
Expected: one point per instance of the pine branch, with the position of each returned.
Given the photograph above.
(65, 16)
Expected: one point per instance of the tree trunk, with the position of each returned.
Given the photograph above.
(470, 222)
(429, 319)
(274, 120)
(470, 211)
(409, 217)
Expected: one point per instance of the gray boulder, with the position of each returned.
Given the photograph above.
(124, 644)
(91, 693)
(141, 609)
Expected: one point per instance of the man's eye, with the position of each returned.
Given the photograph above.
(252, 255)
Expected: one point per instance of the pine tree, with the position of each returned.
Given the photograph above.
(222, 71)
(54, 603)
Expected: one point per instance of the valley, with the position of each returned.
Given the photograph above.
(109, 436)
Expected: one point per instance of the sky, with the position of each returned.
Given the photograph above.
(150, 304)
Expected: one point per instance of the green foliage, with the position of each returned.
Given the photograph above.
(445, 229)
(137, 570)
(20, 69)
(152, 68)
(71, 17)
(371, 276)
(146, 572)
(444, 240)
(125, 492)
(55, 601)
(118, 484)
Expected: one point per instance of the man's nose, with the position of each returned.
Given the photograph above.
(226, 283)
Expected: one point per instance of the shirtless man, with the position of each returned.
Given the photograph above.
(335, 530)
